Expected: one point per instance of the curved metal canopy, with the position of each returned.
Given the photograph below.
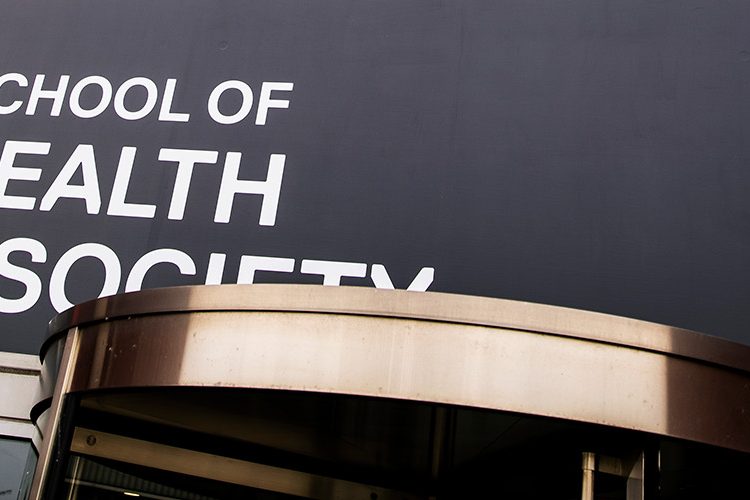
(452, 349)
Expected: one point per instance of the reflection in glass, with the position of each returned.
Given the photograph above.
(13, 456)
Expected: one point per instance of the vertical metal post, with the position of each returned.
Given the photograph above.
(635, 485)
(73, 492)
(62, 386)
(441, 443)
(588, 466)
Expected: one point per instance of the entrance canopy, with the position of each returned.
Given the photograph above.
(128, 355)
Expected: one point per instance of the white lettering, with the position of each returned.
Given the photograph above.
(333, 271)
(186, 160)
(30, 280)
(75, 97)
(152, 95)
(215, 272)
(22, 82)
(57, 95)
(270, 189)
(8, 172)
(245, 107)
(61, 188)
(162, 255)
(265, 102)
(251, 263)
(420, 283)
(112, 272)
(165, 113)
(117, 205)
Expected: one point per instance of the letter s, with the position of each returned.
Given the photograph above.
(28, 278)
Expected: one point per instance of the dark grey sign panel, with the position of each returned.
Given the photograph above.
(587, 154)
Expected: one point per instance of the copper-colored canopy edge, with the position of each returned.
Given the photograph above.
(428, 306)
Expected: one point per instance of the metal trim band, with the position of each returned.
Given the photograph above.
(433, 306)
(469, 351)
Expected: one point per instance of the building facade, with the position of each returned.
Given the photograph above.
(590, 156)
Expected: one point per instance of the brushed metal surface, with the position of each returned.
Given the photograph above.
(588, 466)
(433, 306)
(49, 369)
(457, 350)
(68, 359)
(434, 361)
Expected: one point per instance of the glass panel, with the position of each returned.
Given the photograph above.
(609, 487)
(418, 449)
(28, 474)
(148, 443)
(13, 456)
(89, 479)
(690, 471)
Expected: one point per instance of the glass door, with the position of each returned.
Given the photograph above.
(612, 477)
(109, 466)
